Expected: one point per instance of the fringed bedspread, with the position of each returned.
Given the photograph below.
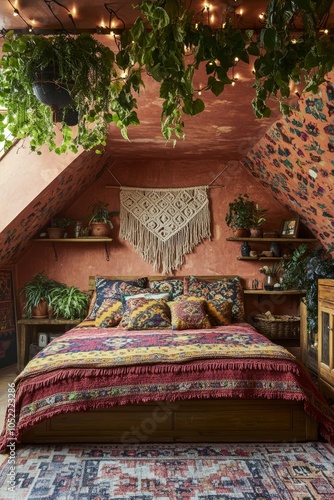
(89, 368)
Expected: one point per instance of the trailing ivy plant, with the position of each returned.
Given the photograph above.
(169, 44)
(302, 272)
(85, 69)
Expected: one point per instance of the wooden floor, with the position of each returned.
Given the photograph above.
(7, 375)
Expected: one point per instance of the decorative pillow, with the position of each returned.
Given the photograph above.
(187, 314)
(112, 289)
(149, 295)
(109, 313)
(220, 313)
(174, 286)
(147, 314)
(222, 290)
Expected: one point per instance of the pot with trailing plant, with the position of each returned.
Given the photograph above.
(69, 302)
(37, 294)
(239, 215)
(99, 221)
(58, 227)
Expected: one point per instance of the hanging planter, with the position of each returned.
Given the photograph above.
(66, 79)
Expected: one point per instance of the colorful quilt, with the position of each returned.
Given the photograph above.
(90, 368)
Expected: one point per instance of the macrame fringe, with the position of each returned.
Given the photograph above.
(165, 256)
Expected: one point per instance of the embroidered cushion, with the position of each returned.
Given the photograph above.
(175, 287)
(220, 313)
(187, 314)
(109, 313)
(112, 289)
(222, 290)
(147, 314)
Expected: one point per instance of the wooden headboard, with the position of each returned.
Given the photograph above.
(212, 277)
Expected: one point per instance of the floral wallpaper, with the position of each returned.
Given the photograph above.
(295, 160)
(72, 182)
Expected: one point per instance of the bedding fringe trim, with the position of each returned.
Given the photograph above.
(77, 373)
(164, 224)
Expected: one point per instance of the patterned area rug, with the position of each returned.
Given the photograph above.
(172, 472)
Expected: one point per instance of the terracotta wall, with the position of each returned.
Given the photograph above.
(77, 261)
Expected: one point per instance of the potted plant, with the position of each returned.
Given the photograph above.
(58, 227)
(99, 221)
(257, 220)
(239, 215)
(37, 295)
(272, 276)
(63, 78)
(69, 302)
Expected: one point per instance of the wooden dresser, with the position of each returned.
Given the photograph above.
(326, 336)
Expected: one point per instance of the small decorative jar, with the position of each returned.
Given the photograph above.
(245, 249)
(269, 282)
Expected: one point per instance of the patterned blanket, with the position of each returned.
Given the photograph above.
(89, 368)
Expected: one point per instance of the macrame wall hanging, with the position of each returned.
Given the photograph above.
(164, 224)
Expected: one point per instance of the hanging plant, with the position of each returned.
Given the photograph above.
(169, 44)
(66, 79)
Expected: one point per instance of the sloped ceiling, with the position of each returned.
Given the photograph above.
(295, 161)
(62, 191)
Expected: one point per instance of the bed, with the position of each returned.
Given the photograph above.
(166, 360)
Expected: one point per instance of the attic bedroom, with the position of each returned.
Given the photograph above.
(176, 158)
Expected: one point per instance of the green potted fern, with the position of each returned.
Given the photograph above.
(69, 302)
(37, 293)
(99, 219)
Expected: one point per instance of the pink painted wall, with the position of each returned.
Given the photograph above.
(77, 261)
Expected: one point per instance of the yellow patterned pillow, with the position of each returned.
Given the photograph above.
(220, 313)
(147, 314)
(109, 313)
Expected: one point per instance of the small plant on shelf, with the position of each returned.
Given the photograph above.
(99, 221)
(257, 220)
(58, 227)
(239, 215)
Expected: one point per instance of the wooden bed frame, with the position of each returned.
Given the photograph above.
(207, 420)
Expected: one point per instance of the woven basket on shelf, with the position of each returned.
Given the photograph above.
(278, 327)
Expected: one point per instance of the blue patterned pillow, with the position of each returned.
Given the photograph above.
(221, 290)
(147, 314)
(174, 286)
(112, 289)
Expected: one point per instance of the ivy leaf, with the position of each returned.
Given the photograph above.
(268, 38)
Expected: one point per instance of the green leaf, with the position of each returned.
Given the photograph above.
(268, 38)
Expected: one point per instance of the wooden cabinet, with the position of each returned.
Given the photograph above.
(308, 344)
(326, 336)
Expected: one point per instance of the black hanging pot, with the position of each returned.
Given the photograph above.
(49, 89)
(68, 115)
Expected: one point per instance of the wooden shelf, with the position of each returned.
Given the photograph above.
(87, 239)
(73, 240)
(262, 258)
(280, 240)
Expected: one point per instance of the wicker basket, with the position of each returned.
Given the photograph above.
(281, 327)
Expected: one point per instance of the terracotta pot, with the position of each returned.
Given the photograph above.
(100, 229)
(41, 311)
(256, 232)
(56, 232)
(240, 233)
